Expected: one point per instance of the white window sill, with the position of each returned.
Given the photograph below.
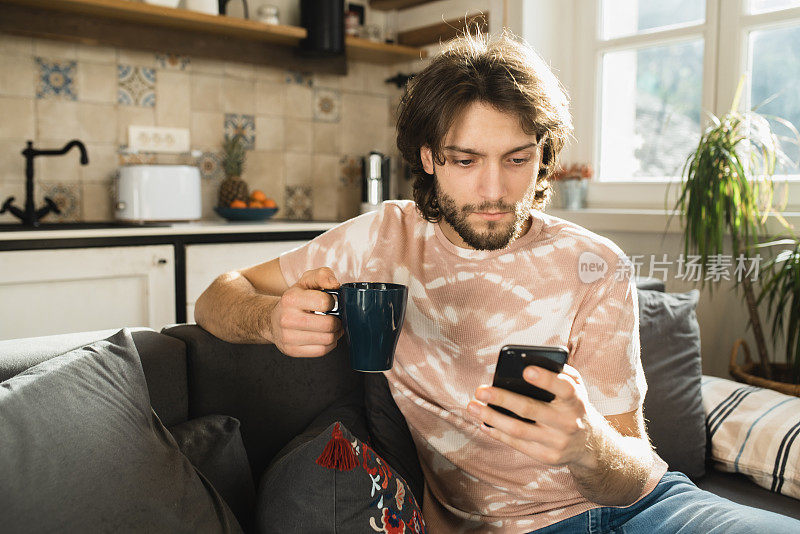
(645, 220)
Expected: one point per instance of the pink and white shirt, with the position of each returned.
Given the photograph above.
(463, 306)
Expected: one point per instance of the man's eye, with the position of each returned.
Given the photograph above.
(520, 161)
(462, 162)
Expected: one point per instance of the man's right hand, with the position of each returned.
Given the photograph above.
(294, 327)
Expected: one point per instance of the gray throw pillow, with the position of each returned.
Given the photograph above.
(213, 443)
(673, 407)
(83, 451)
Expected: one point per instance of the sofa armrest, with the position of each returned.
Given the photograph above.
(647, 282)
(274, 396)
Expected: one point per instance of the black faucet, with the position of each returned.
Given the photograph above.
(31, 216)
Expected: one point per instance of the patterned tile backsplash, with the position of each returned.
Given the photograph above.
(56, 79)
(244, 125)
(288, 119)
(67, 197)
(137, 86)
(300, 78)
(173, 61)
(327, 105)
(299, 202)
(210, 165)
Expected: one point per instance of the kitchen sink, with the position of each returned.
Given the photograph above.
(17, 227)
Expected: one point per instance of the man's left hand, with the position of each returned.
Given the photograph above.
(564, 428)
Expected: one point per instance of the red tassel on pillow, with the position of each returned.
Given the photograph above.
(338, 453)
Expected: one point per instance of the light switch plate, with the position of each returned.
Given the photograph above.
(158, 139)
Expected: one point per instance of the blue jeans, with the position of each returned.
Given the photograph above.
(676, 505)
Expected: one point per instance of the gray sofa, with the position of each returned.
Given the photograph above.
(191, 373)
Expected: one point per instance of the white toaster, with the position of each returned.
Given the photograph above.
(158, 193)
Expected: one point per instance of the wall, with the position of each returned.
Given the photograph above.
(308, 131)
(722, 314)
(296, 148)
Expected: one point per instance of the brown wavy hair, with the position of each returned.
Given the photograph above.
(501, 71)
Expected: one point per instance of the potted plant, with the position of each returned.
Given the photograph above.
(572, 182)
(781, 291)
(728, 190)
(233, 188)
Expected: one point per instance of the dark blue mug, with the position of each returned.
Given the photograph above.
(372, 316)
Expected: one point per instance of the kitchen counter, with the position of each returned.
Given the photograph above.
(180, 237)
(197, 228)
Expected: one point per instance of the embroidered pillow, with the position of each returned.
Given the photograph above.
(754, 431)
(335, 483)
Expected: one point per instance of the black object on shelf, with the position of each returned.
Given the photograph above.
(400, 79)
(223, 8)
(324, 22)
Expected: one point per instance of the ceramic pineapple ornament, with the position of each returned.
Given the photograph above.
(233, 187)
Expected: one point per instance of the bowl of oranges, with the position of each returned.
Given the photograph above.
(259, 207)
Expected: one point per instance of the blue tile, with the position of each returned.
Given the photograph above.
(299, 78)
(57, 79)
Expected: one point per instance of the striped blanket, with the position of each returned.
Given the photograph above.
(754, 431)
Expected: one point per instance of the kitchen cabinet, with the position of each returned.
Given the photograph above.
(142, 26)
(204, 262)
(127, 276)
(57, 291)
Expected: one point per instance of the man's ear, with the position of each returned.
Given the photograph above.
(426, 155)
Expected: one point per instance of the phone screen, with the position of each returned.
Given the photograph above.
(513, 359)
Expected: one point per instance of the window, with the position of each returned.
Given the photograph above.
(774, 63)
(659, 65)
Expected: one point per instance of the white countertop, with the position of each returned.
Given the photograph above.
(217, 226)
(595, 219)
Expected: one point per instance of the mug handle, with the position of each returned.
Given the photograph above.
(336, 310)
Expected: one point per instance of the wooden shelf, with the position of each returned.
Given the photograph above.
(444, 31)
(182, 19)
(373, 52)
(387, 5)
(131, 24)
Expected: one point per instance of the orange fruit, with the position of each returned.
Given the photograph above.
(255, 204)
(258, 195)
(269, 203)
(238, 204)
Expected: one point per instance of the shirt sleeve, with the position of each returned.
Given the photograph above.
(605, 343)
(345, 248)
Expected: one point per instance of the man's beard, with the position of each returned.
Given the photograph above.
(500, 234)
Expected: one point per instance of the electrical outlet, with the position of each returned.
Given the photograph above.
(158, 139)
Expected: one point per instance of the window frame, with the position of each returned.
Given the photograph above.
(725, 34)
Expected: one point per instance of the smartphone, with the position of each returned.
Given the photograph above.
(513, 359)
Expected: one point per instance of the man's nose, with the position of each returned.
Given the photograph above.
(492, 184)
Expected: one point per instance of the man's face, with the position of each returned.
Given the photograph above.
(486, 187)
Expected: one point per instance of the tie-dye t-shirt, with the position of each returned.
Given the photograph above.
(463, 306)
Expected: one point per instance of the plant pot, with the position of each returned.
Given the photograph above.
(572, 193)
(750, 370)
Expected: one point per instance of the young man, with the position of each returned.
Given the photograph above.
(482, 127)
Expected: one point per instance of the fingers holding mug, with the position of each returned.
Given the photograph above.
(322, 278)
(299, 326)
